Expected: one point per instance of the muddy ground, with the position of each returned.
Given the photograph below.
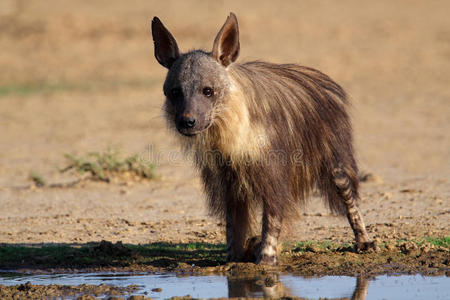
(81, 292)
(428, 257)
(80, 77)
(304, 259)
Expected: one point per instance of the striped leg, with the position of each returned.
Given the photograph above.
(271, 227)
(349, 195)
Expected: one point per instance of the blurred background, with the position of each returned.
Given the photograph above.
(80, 76)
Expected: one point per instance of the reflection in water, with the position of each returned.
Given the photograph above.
(362, 285)
(264, 286)
(270, 286)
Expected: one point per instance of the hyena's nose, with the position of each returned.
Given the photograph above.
(187, 121)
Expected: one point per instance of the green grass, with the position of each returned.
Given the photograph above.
(101, 165)
(107, 254)
(438, 242)
(27, 89)
(306, 246)
(38, 180)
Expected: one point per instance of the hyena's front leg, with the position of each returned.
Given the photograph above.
(237, 219)
(271, 227)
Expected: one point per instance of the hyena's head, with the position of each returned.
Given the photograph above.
(197, 82)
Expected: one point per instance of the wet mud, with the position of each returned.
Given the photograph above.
(84, 291)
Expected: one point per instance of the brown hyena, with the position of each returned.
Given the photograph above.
(262, 135)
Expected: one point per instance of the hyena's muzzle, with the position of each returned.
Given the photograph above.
(192, 116)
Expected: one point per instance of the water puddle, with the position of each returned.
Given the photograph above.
(164, 286)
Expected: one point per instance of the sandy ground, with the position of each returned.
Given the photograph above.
(80, 76)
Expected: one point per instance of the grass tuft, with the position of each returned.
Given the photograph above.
(435, 241)
(37, 179)
(103, 165)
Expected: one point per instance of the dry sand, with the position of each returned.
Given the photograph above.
(80, 76)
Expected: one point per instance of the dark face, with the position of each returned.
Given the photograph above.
(194, 87)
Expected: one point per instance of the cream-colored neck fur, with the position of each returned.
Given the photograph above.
(232, 131)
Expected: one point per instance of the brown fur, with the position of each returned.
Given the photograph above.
(271, 134)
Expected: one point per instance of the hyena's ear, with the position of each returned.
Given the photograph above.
(226, 45)
(166, 48)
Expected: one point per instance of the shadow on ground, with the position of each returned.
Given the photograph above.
(427, 256)
(108, 255)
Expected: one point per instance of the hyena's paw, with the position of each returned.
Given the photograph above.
(267, 259)
(234, 256)
(231, 257)
(268, 256)
(251, 251)
(366, 247)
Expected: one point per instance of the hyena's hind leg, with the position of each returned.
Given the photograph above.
(347, 191)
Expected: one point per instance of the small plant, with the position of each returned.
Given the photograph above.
(435, 241)
(102, 166)
(37, 179)
(442, 242)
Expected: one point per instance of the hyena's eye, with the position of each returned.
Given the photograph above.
(208, 92)
(175, 92)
